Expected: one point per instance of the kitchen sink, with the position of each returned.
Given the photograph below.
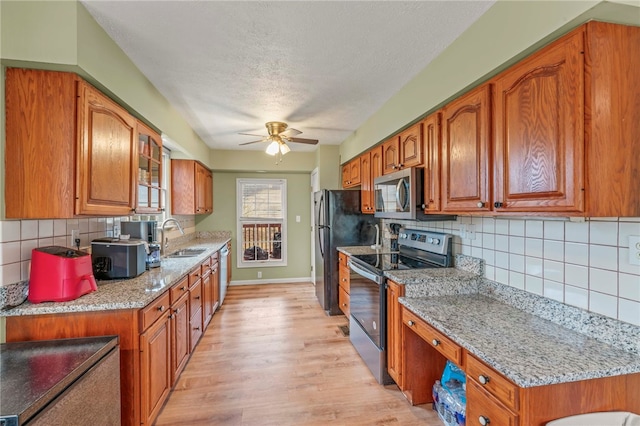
(187, 253)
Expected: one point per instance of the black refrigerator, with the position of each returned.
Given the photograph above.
(338, 223)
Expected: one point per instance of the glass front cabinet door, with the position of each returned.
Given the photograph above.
(149, 171)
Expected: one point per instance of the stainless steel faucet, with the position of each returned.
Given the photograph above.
(165, 244)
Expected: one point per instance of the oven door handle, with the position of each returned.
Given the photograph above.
(378, 279)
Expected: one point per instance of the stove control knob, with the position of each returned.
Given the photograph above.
(430, 240)
(436, 241)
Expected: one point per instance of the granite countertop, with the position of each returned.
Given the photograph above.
(529, 350)
(133, 293)
(34, 373)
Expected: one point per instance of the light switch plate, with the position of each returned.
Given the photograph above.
(634, 249)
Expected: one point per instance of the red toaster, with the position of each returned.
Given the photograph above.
(59, 274)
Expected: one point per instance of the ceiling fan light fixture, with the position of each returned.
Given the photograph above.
(273, 148)
(284, 148)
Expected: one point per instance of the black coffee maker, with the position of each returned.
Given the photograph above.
(145, 230)
(394, 228)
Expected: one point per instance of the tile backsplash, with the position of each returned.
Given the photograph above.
(583, 264)
(19, 237)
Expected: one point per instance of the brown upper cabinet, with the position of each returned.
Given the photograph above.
(70, 150)
(191, 188)
(465, 153)
(351, 175)
(149, 170)
(431, 136)
(366, 184)
(403, 150)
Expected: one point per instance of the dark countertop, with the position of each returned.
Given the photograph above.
(34, 373)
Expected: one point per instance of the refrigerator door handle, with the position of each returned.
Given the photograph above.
(320, 225)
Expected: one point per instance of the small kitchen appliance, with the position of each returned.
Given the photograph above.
(59, 274)
(115, 258)
(153, 255)
(416, 249)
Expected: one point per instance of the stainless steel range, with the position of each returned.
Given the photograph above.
(416, 249)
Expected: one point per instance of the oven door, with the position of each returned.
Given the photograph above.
(368, 321)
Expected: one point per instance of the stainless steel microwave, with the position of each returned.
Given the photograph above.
(400, 195)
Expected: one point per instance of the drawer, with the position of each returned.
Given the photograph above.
(196, 328)
(483, 409)
(179, 289)
(205, 265)
(195, 298)
(149, 314)
(342, 259)
(494, 382)
(214, 257)
(194, 276)
(344, 281)
(343, 301)
(443, 344)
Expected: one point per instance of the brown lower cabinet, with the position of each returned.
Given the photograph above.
(155, 342)
(492, 398)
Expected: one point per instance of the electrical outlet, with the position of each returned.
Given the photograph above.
(259, 274)
(463, 231)
(634, 250)
(75, 235)
(471, 232)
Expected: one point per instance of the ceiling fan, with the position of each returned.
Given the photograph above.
(279, 135)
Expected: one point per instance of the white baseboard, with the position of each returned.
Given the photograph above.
(273, 281)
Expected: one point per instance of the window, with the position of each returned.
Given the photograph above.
(261, 212)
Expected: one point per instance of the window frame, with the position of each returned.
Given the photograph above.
(240, 221)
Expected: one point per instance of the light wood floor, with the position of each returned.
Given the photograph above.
(272, 357)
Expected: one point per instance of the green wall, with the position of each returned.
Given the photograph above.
(504, 34)
(223, 218)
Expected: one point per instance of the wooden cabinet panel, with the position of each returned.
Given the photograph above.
(390, 155)
(344, 301)
(539, 131)
(215, 288)
(366, 184)
(149, 170)
(394, 332)
(195, 292)
(439, 341)
(480, 405)
(155, 368)
(154, 310)
(492, 381)
(431, 136)
(376, 162)
(107, 155)
(207, 298)
(410, 145)
(344, 278)
(351, 175)
(191, 188)
(180, 334)
(196, 328)
(465, 153)
(40, 106)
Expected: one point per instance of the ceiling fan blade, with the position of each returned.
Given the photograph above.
(290, 132)
(252, 134)
(302, 140)
(249, 143)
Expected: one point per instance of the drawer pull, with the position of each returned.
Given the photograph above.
(410, 323)
(484, 421)
(483, 379)
(183, 288)
(435, 342)
(160, 308)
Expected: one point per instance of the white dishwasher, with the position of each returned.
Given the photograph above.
(224, 254)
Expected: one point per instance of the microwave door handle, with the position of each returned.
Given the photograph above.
(363, 272)
(400, 199)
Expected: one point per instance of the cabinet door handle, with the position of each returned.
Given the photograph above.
(183, 288)
(410, 323)
(161, 308)
(480, 204)
(197, 297)
(498, 204)
(435, 342)
(196, 328)
(483, 379)
(484, 421)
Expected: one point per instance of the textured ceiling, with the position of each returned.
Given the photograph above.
(323, 67)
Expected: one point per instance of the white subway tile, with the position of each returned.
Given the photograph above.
(629, 286)
(502, 260)
(629, 311)
(61, 241)
(553, 270)
(603, 281)
(466, 250)
(554, 290)
(576, 253)
(533, 266)
(516, 263)
(625, 230)
(533, 247)
(516, 227)
(502, 242)
(83, 225)
(9, 252)
(516, 279)
(489, 272)
(502, 276)
(29, 230)
(477, 242)
(554, 230)
(534, 285)
(476, 252)
(576, 297)
(603, 304)
(489, 256)
(26, 247)
(502, 226)
(625, 266)
(25, 270)
(9, 231)
(577, 232)
(516, 245)
(534, 229)
(603, 257)
(488, 225)
(603, 233)
(59, 227)
(554, 250)
(44, 242)
(488, 241)
(10, 273)
(576, 275)
(45, 228)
